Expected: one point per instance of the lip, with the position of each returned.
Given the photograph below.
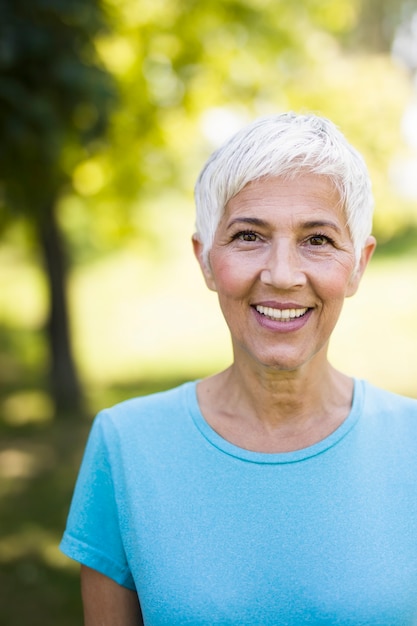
(279, 326)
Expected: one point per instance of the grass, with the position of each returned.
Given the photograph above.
(37, 466)
(139, 327)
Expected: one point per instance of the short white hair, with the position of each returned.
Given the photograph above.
(285, 145)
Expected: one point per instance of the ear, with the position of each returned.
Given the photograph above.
(204, 265)
(366, 255)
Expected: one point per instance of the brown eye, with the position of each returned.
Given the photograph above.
(318, 240)
(247, 235)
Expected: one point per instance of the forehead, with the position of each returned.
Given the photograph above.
(306, 193)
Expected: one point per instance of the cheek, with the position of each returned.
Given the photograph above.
(338, 283)
(231, 279)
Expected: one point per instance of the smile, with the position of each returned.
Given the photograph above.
(283, 315)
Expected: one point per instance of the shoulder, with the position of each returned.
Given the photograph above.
(154, 412)
(392, 412)
(388, 402)
(153, 403)
(389, 427)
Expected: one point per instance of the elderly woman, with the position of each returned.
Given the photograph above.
(279, 491)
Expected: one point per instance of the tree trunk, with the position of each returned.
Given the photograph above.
(65, 385)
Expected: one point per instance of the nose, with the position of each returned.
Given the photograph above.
(283, 267)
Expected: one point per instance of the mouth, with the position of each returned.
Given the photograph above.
(282, 315)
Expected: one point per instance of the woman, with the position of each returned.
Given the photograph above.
(279, 491)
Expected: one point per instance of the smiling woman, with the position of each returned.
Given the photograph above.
(280, 490)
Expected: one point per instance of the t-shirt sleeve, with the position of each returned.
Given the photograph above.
(92, 536)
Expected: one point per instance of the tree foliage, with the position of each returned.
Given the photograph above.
(186, 69)
(54, 96)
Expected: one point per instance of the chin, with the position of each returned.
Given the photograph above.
(290, 363)
(282, 365)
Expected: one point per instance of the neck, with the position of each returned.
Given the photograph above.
(275, 411)
(284, 396)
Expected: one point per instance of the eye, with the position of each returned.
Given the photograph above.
(246, 235)
(319, 240)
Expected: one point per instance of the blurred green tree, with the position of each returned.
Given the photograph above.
(55, 100)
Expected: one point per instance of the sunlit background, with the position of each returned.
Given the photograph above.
(108, 110)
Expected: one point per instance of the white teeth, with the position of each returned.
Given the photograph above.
(284, 315)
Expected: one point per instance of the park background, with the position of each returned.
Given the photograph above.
(108, 109)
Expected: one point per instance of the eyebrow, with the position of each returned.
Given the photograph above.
(322, 224)
(255, 221)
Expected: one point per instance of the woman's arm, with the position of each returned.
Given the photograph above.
(106, 603)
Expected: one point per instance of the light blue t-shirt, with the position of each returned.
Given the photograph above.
(211, 534)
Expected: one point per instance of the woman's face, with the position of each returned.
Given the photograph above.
(282, 263)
